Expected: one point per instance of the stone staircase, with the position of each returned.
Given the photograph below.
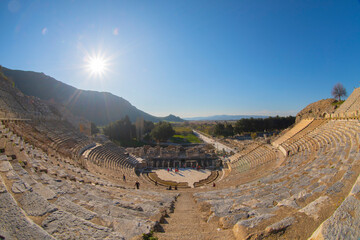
(186, 222)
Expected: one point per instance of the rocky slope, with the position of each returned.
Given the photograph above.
(317, 109)
(98, 107)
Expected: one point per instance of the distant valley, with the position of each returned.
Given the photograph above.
(223, 117)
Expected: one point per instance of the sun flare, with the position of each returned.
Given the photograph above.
(96, 65)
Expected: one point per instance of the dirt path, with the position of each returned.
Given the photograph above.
(186, 223)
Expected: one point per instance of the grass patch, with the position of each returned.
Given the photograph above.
(149, 236)
(338, 103)
(186, 138)
(182, 129)
(184, 134)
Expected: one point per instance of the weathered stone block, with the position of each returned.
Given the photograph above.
(5, 166)
(281, 225)
(35, 205)
(313, 208)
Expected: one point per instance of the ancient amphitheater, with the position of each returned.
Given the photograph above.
(56, 183)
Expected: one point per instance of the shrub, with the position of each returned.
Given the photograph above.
(149, 236)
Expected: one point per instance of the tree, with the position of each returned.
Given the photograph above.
(229, 130)
(224, 130)
(162, 132)
(121, 130)
(338, 91)
(94, 129)
(262, 124)
(148, 126)
(219, 129)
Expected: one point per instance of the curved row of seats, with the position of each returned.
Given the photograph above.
(256, 157)
(60, 137)
(290, 143)
(246, 150)
(153, 177)
(211, 178)
(47, 197)
(304, 191)
(293, 131)
(111, 157)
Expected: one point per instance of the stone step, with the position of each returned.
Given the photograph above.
(35, 205)
(180, 227)
(195, 235)
(75, 209)
(13, 222)
(64, 225)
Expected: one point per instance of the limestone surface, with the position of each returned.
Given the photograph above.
(63, 225)
(35, 205)
(5, 166)
(75, 209)
(343, 224)
(15, 225)
(281, 225)
(20, 187)
(313, 208)
(44, 191)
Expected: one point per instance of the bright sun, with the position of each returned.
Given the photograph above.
(96, 65)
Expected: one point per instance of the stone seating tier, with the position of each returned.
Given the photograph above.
(309, 185)
(46, 202)
(258, 156)
(293, 131)
(352, 103)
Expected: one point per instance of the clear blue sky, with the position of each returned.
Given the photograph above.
(191, 58)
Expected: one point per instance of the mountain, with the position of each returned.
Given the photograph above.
(223, 117)
(98, 107)
(171, 118)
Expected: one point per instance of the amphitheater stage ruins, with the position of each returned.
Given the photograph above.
(187, 175)
(57, 183)
(177, 156)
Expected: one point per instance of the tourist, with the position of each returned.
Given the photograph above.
(155, 183)
(214, 185)
(170, 188)
(124, 178)
(137, 184)
(175, 187)
(168, 169)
